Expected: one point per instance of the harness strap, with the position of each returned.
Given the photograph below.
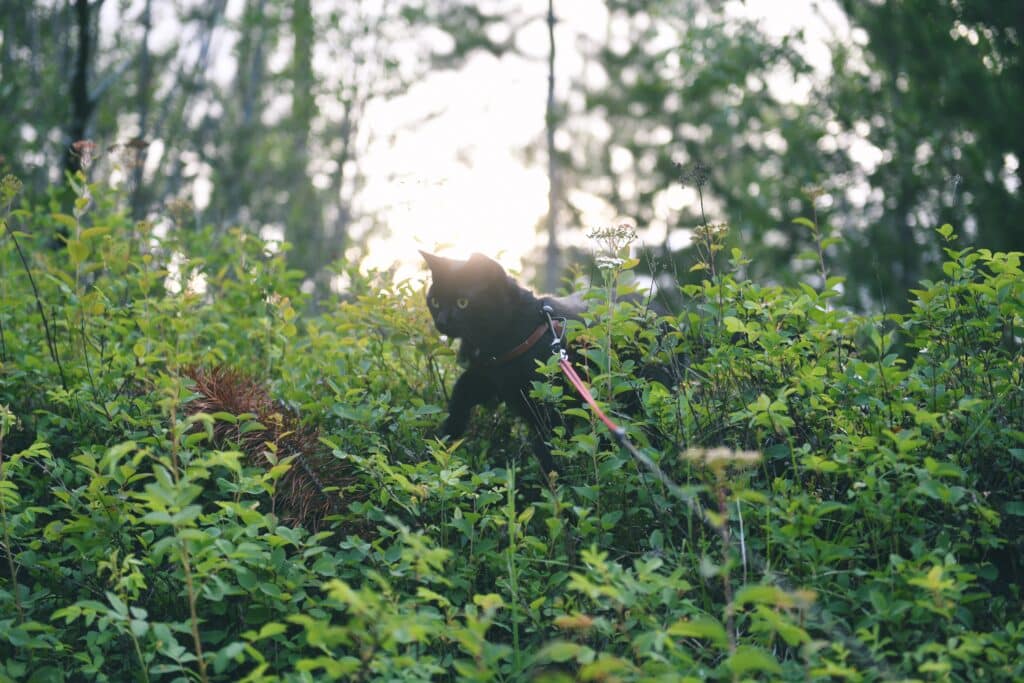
(557, 326)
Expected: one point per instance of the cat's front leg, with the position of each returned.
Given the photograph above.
(471, 389)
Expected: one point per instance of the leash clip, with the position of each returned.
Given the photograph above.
(556, 337)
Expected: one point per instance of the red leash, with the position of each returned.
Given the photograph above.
(570, 373)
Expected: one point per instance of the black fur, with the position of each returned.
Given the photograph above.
(477, 302)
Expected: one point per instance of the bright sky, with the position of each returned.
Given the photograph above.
(462, 182)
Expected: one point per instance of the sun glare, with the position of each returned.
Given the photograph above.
(493, 208)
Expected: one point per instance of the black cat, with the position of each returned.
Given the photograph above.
(504, 331)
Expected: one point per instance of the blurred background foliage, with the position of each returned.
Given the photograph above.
(260, 113)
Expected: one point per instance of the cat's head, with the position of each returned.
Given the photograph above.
(467, 298)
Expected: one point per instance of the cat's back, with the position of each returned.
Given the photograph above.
(575, 305)
(571, 306)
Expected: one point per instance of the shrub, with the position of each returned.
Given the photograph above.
(839, 495)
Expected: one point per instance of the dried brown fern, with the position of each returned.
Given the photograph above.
(301, 497)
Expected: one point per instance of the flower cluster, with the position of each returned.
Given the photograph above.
(696, 174)
(84, 151)
(613, 239)
(10, 187)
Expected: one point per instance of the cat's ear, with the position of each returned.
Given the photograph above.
(486, 265)
(436, 263)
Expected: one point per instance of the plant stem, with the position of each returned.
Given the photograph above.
(821, 252)
(142, 662)
(11, 567)
(88, 369)
(743, 540)
(193, 616)
(707, 233)
(513, 578)
(3, 343)
(51, 342)
(186, 563)
(723, 532)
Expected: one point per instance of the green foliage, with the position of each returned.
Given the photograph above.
(146, 85)
(934, 101)
(853, 482)
(689, 82)
(906, 117)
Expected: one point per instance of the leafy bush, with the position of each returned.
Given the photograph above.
(848, 502)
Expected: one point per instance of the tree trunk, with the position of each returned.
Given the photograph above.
(137, 153)
(82, 105)
(305, 220)
(346, 134)
(552, 262)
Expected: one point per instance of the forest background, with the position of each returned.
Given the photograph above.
(356, 129)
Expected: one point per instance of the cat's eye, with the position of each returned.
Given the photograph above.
(433, 302)
(462, 303)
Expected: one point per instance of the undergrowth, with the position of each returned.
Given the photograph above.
(841, 494)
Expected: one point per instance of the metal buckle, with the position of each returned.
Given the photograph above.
(556, 337)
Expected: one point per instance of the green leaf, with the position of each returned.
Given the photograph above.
(270, 589)
(65, 220)
(251, 426)
(158, 517)
(733, 324)
(489, 602)
(193, 439)
(246, 578)
(610, 519)
(334, 668)
(117, 604)
(605, 667)
(89, 233)
(78, 251)
(271, 629)
(703, 627)
(1015, 508)
(933, 581)
(563, 651)
(186, 515)
(768, 619)
(425, 593)
(526, 515)
(762, 595)
(748, 658)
